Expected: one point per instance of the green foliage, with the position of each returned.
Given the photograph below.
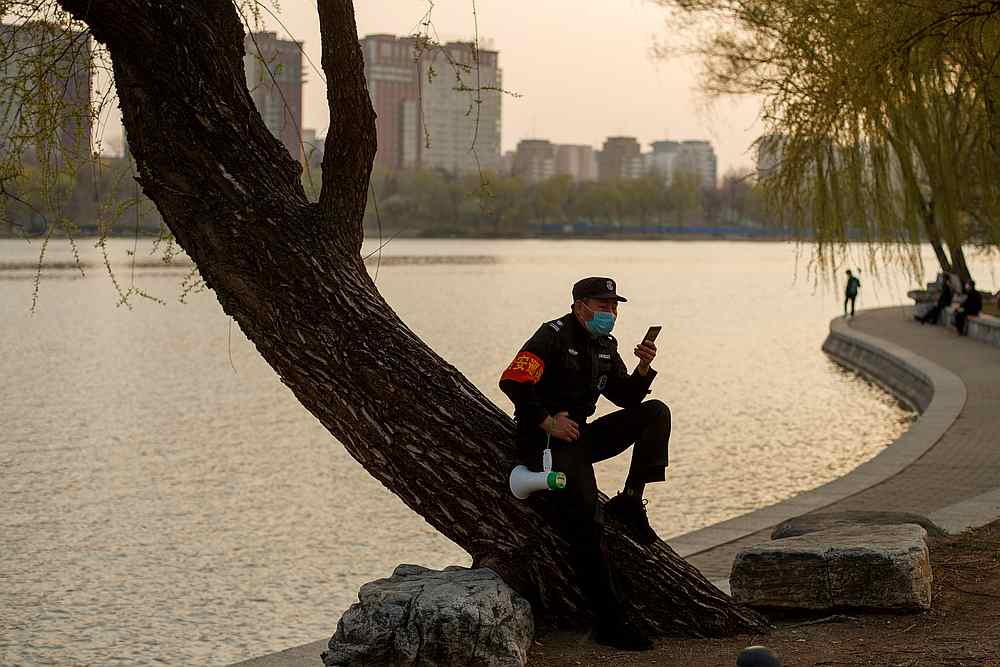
(56, 93)
(434, 203)
(882, 115)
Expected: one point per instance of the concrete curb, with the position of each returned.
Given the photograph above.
(935, 391)
(971, 513)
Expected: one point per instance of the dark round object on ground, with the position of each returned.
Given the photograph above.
(758, 656)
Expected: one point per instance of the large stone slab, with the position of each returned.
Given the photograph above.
(873, 567)
(420, 616)
(811, 523)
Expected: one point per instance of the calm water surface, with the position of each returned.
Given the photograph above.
(166, 500)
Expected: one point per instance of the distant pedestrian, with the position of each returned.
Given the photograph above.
(851, 291)
(971, 306)
(944, 300)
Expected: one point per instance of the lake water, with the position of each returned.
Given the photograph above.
(166, 500)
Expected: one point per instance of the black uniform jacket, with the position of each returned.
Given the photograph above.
(564, 368)
(945, 298)
(973, 304)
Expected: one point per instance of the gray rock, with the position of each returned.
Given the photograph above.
(428, 617)
(810, 523)
(873, 567)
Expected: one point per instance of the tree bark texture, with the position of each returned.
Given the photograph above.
(290, 273)
(934, 234)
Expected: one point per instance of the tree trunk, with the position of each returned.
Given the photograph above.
(290, 273)
(954, 243)
(934, 235)
(958, 261)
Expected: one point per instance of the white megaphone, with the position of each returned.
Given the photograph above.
(523, 482)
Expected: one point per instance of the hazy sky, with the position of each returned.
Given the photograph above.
(584, 69)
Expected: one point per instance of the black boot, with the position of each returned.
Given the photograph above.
(618, 633)
(631, 511)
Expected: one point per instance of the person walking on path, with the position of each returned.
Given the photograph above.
(554, 382)
(971, 306)
(944, 300)
(851, 291)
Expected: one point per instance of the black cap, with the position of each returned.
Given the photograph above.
(596, 288)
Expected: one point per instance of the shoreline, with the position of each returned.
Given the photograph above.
(129, 234)
(932, 390)
(945, 466)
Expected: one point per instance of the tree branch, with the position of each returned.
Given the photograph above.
(350, 141)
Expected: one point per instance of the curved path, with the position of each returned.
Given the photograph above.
(947, 466)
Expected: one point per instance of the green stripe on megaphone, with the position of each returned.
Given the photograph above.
(556, 480)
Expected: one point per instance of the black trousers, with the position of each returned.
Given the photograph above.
(645, 428)
(960, 325)
(850, 298)
(932, 315)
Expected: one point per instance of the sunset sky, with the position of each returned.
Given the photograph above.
(584, 69)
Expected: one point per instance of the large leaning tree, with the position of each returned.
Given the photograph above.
(289, 271)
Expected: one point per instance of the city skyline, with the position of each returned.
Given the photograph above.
(585, 71)
(598, 79)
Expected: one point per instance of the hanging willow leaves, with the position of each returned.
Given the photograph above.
(882, 118)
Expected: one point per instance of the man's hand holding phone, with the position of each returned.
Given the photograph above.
(646, 350)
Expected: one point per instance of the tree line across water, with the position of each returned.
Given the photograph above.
(435, 203)
(104, 199)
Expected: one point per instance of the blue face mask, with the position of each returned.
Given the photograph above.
(601, 323)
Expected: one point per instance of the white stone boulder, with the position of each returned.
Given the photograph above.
(420, 616)
(871, 567)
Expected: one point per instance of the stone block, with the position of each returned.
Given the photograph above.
(420, 616)
(811, 523)
(871, 567)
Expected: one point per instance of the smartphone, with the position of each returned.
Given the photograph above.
(651, 334)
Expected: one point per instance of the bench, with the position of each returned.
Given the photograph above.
(985, 328)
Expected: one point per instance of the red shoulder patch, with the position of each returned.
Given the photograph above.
(526, 367)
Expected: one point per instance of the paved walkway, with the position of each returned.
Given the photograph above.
(958, 474)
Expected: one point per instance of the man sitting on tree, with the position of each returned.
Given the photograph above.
(554, 383)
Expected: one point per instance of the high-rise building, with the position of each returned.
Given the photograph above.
(662, 158)
(274, 76)
(460, 108)
(697, 158)
(694, 158)
(393, 78)
(534, 160)
(434, 104)
(507, 163)
(46, 72)
(617, 159)
(769, 154)
(576, 161)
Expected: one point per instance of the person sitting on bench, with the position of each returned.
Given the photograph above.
(971, 306)
(944, 300)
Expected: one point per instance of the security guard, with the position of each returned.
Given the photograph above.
(554, 383)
